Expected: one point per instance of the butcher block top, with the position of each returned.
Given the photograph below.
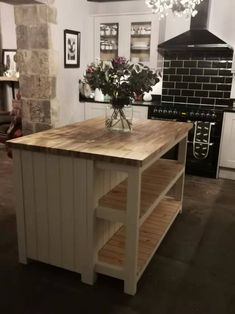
(91, 140)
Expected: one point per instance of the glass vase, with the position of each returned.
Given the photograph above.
(119, 118)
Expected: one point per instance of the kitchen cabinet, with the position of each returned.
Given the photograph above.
(107, 38)
(94, 109)
(140, 112)
(93, 201)
(227, 147)
(134, 37)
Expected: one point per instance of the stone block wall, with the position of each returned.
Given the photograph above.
(37, 66)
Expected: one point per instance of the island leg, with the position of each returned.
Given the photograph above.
(179, 187)
(132, 231)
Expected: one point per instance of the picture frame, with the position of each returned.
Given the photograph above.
(8, 60)
(71, 48)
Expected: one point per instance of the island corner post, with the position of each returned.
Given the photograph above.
(94, 201)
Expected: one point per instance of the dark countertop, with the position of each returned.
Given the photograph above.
(230, 109)
(156, 100)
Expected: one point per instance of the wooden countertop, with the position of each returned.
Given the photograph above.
(91, 140)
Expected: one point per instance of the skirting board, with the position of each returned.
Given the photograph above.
(227, 173)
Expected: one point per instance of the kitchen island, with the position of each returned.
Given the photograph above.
(94, 201)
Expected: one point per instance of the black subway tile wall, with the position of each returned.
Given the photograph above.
(197, 78)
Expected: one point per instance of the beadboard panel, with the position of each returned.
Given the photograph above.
(55, 207)
(29, 204)
(67, 211)
(41, 205)
(19, 205)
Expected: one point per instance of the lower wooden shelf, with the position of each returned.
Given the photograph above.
(151, 234)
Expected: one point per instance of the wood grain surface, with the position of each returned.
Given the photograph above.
(151, 234)
(91, 140)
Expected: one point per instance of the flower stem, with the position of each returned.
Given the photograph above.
(118, 113)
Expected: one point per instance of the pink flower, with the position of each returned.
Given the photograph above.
(90, 69)
(119, 62)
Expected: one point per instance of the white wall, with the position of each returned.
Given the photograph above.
(121, 7)
(176, 25)
(8, 41)
(8, 32)
(222, 24)
(77, 16)
(74, 15)
(222, 21)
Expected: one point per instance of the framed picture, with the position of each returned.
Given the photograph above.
(71, 49)
(8, 60)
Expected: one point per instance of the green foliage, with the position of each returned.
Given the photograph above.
(120, 79)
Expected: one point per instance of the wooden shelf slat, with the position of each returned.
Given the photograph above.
(8, 79)
(156, 182)
(108, 50)
(141, 35)
(160, 220)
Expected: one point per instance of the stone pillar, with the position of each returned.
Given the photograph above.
(36, 64)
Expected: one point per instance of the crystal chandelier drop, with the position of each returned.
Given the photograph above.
(179, 7)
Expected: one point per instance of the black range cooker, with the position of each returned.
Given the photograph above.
(203, 139)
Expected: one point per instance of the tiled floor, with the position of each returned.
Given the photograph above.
(193, 271)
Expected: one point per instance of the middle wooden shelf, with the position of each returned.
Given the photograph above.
(156, 181)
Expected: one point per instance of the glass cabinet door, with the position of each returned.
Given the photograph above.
(108, 41)
(140, 41)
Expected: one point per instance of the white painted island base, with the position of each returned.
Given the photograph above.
(83, 215)
(93, 201)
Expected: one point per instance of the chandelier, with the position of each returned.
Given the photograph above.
(178, 7)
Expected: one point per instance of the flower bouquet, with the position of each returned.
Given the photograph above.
(122, 81)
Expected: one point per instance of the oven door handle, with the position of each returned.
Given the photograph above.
(194, 122)
(191, 142)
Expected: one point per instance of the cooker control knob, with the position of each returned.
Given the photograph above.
(191, 113)
(208, 115)
(155, 110)
(160, 110)
(203, 115)
(165, 111)
(213, 115)
(170, 111)
(175, 112)
(197, 114)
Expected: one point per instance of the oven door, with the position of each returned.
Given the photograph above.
(203, 149)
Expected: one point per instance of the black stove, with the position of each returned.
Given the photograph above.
(203, 139)
(184, 112)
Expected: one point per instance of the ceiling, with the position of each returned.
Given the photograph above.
(17, 2)
(106, 0)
